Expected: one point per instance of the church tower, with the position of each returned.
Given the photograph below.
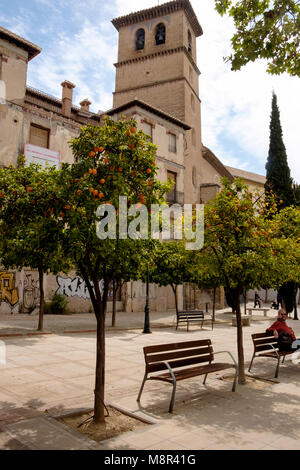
(157, 64)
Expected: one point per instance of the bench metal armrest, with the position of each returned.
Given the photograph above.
(170, 370)
(275, 351)
(227, 352)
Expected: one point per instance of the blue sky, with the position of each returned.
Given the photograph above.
(80, 44)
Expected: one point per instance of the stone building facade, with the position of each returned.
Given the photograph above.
(156, 83)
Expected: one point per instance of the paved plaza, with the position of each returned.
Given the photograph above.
(50, 375)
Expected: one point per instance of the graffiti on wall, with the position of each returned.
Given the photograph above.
(8, 291)
(77, 287)
(72, 287)
(31, 292)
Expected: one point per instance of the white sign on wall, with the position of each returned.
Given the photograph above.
(2, 92)
(41, 156)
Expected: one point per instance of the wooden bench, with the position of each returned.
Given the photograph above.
(263, 309)
(179, 361)
(266, 345)
(189, 316)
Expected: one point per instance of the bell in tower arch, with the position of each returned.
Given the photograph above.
(160, 36)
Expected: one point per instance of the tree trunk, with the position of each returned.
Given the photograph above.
(214, 305)
(174, 288)
(235, 297)
(99, 416)
(42, 300)
(114, 305)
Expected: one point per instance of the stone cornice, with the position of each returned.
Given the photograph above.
(157, 54)
(32, 49)
(161, 82)
(161, 10)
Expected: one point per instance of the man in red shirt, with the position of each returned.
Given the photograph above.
(285, 335)
(280, 326)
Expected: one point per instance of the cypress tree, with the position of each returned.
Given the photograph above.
(278, 180)
(278, 173)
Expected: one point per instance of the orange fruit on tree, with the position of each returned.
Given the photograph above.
(102, 181)
(92, 154)
(132, 130)
(101, 195)
(95, 192)
(90, 171)
(79, 192)
(96, 149)
(106, 160)
(101, 149)
(68, 207)
(149, 171)
(94, 171)
(120, 169)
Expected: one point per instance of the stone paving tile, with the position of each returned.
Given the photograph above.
(7, 442)
(47, 434)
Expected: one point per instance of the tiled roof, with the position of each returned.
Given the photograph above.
(247, 175)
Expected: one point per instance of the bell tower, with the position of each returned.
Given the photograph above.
(157, 64)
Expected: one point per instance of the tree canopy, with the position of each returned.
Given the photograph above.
(245, 248)
(265, 29)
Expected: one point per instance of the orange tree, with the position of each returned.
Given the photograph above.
(169, 265)
(30, 223)
(244, 248)
(110, 161)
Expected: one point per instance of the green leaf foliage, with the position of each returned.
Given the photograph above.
(265, 29)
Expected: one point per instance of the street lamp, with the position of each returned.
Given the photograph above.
(295, 302)
(147, 320)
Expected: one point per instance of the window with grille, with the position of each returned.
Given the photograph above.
(39, 136)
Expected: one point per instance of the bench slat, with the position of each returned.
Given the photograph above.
(166, 356)
(192, 372)
(156, 366)
(172, 346)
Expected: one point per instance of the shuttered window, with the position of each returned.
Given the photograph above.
(172, 143)
(147, 129)
(39, 136)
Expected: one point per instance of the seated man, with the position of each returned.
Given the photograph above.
(282, 331)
